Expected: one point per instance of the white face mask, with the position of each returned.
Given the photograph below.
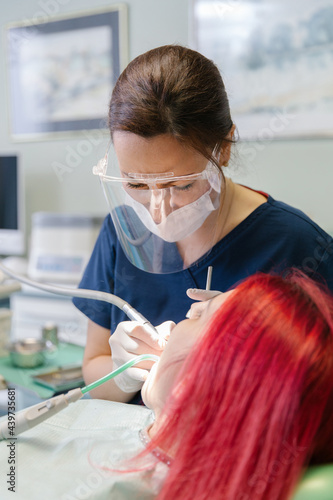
(178, 224)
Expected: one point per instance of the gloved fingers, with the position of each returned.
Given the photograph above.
(131, 380)
(198, 294)
(155, 340)
(120, 358)
(131, 339)
(196, 310)
(137, 374)
(120, 355)
(127, 347)
(146, 365)
(123, 338)
(140, 333)
(165, 329)
(125, 344)
(137, 331)
(136, 347)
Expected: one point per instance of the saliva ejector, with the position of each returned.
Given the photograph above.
(25, 419)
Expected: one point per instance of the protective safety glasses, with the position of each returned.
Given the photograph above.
(157, 215)
(145, 182)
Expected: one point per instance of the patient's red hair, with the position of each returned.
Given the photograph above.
(253, 401)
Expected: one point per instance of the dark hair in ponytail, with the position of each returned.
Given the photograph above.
(173, 90)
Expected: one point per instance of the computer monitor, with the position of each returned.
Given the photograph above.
(12, 241)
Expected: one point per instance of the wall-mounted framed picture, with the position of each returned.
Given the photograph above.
(275, 57)
(62, 71)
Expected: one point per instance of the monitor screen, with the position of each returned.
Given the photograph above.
(11, 207)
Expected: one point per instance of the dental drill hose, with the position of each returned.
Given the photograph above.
(25, 419)
(130, 312)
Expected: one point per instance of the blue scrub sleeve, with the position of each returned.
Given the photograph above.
(98, 275)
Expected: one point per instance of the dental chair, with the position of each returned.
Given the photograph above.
(317, 484)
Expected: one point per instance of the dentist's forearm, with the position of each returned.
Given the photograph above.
(95, 368)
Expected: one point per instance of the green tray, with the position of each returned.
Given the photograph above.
(65, 355)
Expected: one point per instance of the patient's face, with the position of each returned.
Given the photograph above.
(183, 336)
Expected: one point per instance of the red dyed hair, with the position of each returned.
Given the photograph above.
(253, 401)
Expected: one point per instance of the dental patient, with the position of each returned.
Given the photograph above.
(238, 406)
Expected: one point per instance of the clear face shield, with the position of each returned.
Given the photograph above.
(164, 223)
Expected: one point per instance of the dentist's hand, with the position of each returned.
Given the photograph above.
(199, 294)
(202, 296)
(131, 339)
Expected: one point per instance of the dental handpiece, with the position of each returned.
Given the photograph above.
(25, 419)
(130, 312)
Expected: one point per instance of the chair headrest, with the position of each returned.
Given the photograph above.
(317, 483)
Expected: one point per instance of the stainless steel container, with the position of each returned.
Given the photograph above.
(29, 353)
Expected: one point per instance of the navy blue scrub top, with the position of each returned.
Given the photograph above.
(271, 239)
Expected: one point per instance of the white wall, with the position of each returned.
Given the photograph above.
(298, 172)
(151, 23)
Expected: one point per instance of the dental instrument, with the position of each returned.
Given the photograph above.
(209, 277)
(16, 423)
(130, 312)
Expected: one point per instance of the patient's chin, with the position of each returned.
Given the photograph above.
(147, 391)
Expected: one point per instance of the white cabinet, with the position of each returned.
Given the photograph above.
(32, 309)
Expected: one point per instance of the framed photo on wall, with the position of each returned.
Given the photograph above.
(62, 71)
(275, 57)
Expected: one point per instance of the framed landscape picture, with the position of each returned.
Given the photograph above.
(276, 60)
(62, 71)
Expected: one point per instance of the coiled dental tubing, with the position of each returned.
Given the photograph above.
(23, 420)
(130, 312)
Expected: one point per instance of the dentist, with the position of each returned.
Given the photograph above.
(173, 213)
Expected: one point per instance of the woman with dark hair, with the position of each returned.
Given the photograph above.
(173, 212)
(241, 402)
